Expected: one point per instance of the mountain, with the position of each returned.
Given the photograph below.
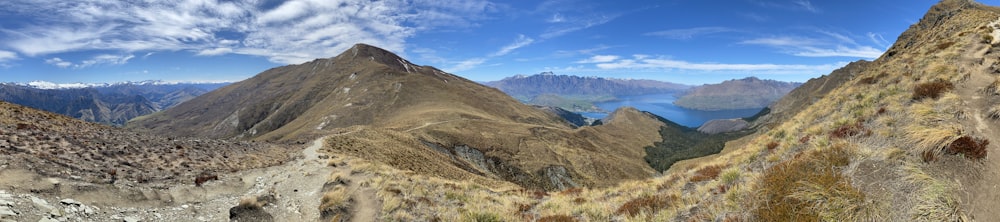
(54, 145)
(747, 93)
(904, 137)
(112, 104)
(576, 87)
(381, 107)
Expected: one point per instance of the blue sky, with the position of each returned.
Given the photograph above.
(684, 41)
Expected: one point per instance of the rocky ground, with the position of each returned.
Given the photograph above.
(287, 192)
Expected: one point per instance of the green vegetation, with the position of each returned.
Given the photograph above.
(681, 143)
(571, 103)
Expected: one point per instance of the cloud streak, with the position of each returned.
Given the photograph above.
(611, 62)
(689, 32)
(291, 32)
(825, 44)
(521, 41)
(96, 60)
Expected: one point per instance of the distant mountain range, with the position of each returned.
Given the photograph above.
(527, 87)
(747, 93)
(113, 103)
(376, 105)
(576, 93)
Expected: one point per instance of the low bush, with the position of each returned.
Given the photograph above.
(772, 145)
(557, 218)
(808, 187)
(648, 204)
(972, 148)
(482, 217)
(707, 173)
(931, 90)
(850, 130)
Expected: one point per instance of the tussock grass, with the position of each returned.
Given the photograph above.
(810, 187)
(994, 113)
(557, 218)
(646, 204)
(933, 139)
(707, 173)
(932, 90)
(935, 200)
(992, 88)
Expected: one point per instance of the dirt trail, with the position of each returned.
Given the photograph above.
(980, 195)
(296, 188)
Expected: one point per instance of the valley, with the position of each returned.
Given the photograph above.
(368, 135)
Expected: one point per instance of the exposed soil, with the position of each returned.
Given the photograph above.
(288, 192)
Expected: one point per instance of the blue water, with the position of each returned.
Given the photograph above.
(663, 105)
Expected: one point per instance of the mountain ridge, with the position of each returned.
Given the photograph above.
(387, 109)
(746, 93)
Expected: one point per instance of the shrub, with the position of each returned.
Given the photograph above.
(850, 130)
(557, 218)
(931, 90)
(805, 139)
(809, 187)
(707, 173)
(772, 145)
(649, 204)
(482, 217)
(972, 148)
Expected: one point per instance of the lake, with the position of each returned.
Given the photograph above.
(663, 105)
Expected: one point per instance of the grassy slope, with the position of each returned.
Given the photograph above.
(870, 150)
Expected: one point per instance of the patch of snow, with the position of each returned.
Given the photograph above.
(347, 89)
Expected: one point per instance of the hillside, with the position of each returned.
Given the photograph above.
(904, 137)
(747, 93)
(112, 104)
(382, 108)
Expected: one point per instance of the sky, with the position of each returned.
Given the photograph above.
(682, 41)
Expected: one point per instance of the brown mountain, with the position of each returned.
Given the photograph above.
(382, 107)
(59, 146)
(747, 93)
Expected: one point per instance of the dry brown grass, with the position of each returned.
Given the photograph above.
(932, 90)
(707, 173)
(646, 204)
(809, 187)
(994, 113)
(557, 218)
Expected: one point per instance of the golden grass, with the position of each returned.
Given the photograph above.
(810, 187)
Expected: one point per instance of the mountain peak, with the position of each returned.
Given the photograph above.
(365, 52)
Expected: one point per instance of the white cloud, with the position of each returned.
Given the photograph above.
(806, 5)
(295, 31)
(521, 41)
(466, 65)
(878, 39)
(599, 59)
(689, 32)
(827, 44)
(96, 60)
(556, 18)
(647, 62)
(577, 26)
(214, 52)
(58, 62)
